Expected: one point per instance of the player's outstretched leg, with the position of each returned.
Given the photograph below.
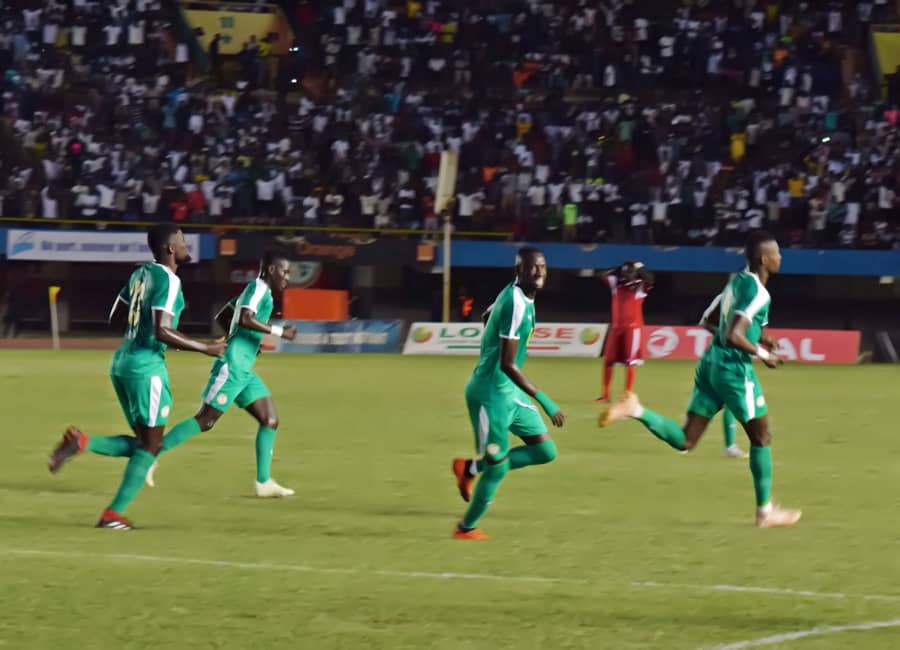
(666, 429)
(768, 515)
(729, 429)
(135, 472)
(74, 442)
(204, 420)
(263, 410)
(537, 450)
(495, 470)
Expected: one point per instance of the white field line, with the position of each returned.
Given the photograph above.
(444, 575)
(837, 595)
(816, 631)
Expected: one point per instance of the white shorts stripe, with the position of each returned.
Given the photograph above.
(635, 343)
(155, 395)
(484, 427)
(527, 405)
(221, 378)
(748, 397)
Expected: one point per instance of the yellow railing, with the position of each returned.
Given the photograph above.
(389, 232)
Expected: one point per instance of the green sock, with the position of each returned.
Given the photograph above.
(265, 442)
(729, 427)
(135, 472)
(181, 432)
(761, 468)
(525, 455)
(666, 429)
(112, 445)
(485, 490)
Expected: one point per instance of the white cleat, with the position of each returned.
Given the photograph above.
(775, 516)
(149, 479)
(733, 451)
(271, 489)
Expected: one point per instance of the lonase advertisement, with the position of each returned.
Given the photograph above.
(548, 340)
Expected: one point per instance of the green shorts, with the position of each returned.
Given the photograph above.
(495, 413)
(734, 387)
(145, 399)
(227, 386)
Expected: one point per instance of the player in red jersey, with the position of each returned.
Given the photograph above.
(629, 285)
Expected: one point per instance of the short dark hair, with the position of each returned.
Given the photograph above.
(526, 250)
(159, 236)
(756, 239)
(271, 257)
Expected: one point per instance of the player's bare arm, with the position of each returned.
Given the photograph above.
(508, 350)
(166, 333)
(249, 321)
(224, 316)
(737, 337)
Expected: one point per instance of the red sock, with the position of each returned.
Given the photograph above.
(607, 379)
(629, 377)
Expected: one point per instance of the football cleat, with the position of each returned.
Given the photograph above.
(271, 489)
(73, 443)
(114, 521)
(464, 480)
(625, 407)
(471, 534)
(776, 517)
(733, 451)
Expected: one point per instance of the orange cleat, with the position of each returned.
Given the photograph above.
(777, 517)
(472, 534)
(625, 407)
(73, 443)
(464, 480)
(602, 399)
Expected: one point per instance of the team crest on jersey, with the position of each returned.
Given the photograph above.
(164, 411)
(760, 401)
(221, 399)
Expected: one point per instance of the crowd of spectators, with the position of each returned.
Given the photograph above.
(586, 120)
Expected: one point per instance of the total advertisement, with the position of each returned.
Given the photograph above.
(548, 339)
(339, 336)
(84, 246)
(806, 346)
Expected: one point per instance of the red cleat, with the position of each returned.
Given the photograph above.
(73, 443)
(114, 521)
(470, 534)
(464, 480)
(602, 399)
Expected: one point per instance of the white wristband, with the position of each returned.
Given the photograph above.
(762, 353)
(277, 330)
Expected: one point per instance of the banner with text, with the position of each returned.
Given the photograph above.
(807, 346)
(340, 336)
(84, 246)
(548, 340)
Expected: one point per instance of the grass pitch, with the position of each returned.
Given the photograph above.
(621, 543)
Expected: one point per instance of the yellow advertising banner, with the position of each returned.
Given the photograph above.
(887, 45)
(236, 27)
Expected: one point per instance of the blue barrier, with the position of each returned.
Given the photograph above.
(57, 245)
(344, 336)
(675, 258)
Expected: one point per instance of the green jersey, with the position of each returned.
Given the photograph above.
(152, 287)
(744, 295)
(243, 343)
(511, 317)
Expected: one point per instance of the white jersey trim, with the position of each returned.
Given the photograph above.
(518, 315)
(759, 301)
(174, 288)
(258, 293)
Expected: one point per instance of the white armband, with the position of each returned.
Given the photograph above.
(762, 353)
(277, 330)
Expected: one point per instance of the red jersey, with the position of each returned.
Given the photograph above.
(627, 303)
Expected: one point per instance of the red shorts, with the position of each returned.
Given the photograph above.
(624, 346)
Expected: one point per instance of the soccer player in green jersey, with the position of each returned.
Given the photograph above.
(498, 396)
(138, 371)
(710, 323)
(232, 379)
(725, 377)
